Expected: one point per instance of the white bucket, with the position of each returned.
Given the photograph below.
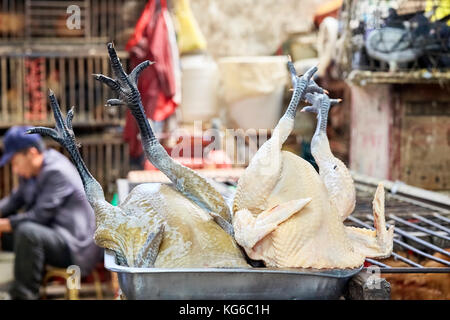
(261, 112)
(252, 89)
(198, 88)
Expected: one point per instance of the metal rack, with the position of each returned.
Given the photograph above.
(422, 226)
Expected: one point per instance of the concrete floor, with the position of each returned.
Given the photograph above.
(6, 268)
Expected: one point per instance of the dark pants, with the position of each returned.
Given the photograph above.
(34, 246)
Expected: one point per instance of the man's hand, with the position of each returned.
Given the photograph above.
(5, 225)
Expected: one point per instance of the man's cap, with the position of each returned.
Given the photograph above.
(16, 139)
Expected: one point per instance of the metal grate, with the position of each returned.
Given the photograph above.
(421, 230)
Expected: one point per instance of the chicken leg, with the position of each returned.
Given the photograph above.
(185, 180)
(376, 243)
(334, 173)
(132, 241)
(264, 169)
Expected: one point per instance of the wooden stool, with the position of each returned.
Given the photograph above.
(70, 294)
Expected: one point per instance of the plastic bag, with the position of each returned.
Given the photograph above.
(190, 38)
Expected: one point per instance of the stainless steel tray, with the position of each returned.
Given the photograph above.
(229, 284)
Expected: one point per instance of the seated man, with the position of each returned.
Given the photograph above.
(58, 224)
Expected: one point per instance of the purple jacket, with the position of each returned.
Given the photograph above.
(56, 198)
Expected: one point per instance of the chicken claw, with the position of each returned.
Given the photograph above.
(125, 85)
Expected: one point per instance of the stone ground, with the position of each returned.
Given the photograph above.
(56, 289)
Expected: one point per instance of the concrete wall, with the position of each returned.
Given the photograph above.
(402, 132)
(251, 27)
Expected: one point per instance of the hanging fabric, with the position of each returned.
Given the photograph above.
(190, 37)
(157, 83)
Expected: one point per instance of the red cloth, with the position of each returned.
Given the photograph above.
(156, 84)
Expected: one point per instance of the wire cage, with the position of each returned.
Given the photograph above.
(93, 21)
(395, 35)
(42, 48)
(26, 77)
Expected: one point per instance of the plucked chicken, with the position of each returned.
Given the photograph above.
(157, 225)
(288, 215)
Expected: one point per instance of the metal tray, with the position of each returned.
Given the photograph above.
(229, 283)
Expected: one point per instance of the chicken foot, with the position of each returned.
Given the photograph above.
(149, 252)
